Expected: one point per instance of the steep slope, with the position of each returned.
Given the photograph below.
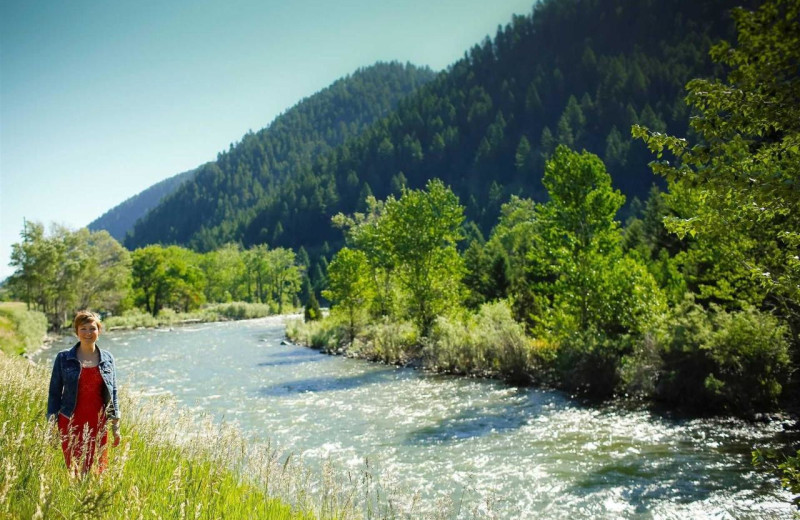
(120, 219)
(578, 72)
(225, 192)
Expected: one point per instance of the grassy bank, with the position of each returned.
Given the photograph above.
(167, 317)
(164, 468)
(171, 464)
(21, 330)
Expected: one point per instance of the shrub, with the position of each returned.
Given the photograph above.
(131, 319)
(489, 342)
(390, 341)
(588, 362)
(240, 310)
(640, 370)
(136, 318)
(718, 360)
(327, 335)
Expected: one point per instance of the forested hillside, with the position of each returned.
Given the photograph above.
(575, 72)
(230, 190)
(121, 218)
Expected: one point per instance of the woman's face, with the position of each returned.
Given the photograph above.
(88, 331)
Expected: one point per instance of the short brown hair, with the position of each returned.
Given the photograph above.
(86, 317)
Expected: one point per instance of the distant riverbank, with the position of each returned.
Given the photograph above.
(168, 318)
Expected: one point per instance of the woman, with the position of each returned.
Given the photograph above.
(83, 396)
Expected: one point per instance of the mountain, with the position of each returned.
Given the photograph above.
(228, 191)
(577, 72)
(119, 220)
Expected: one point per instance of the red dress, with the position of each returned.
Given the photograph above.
(84, 436)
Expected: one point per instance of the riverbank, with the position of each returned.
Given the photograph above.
(474, 443)
(232, 311)
(662, 367)
(195, 429)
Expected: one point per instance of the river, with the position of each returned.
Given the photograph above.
(531, 453)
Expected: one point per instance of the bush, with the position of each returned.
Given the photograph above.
(327, 335)
(240, 310)
(640, 370)
(489, 342)
(715, 360)
(136, 318)
(588, 362)
(21, 330)
(389, 341)
(131, 319)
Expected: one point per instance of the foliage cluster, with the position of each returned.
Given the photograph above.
(327, 335)
(577, 303)
(65, 270)
(183, 279)
(60, 272)
(489, 343)
(402, 260)
(712, 359)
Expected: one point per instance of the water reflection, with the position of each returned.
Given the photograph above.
(323, 383)
(478, 421)
(290, 361)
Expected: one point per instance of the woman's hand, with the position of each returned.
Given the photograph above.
(53, 433)
(115, 432)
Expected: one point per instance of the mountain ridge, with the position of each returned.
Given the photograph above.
(239, 177)
(484, 126)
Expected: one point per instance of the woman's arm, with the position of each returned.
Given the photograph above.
(56, 387)
(115, 402)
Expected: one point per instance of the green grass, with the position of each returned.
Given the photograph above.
(169, 465)
(21, 330)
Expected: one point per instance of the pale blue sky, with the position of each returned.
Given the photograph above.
(101, 99)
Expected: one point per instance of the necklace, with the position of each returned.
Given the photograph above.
(89, 363)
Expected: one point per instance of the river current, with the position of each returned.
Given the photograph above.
(530, 453)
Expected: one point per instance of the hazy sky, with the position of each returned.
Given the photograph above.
(101, 99)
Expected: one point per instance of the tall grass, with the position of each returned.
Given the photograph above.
(173, 463)
(21, 330)
(328, 335)
(164, 468)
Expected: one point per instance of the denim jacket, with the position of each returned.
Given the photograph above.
(64, 383)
